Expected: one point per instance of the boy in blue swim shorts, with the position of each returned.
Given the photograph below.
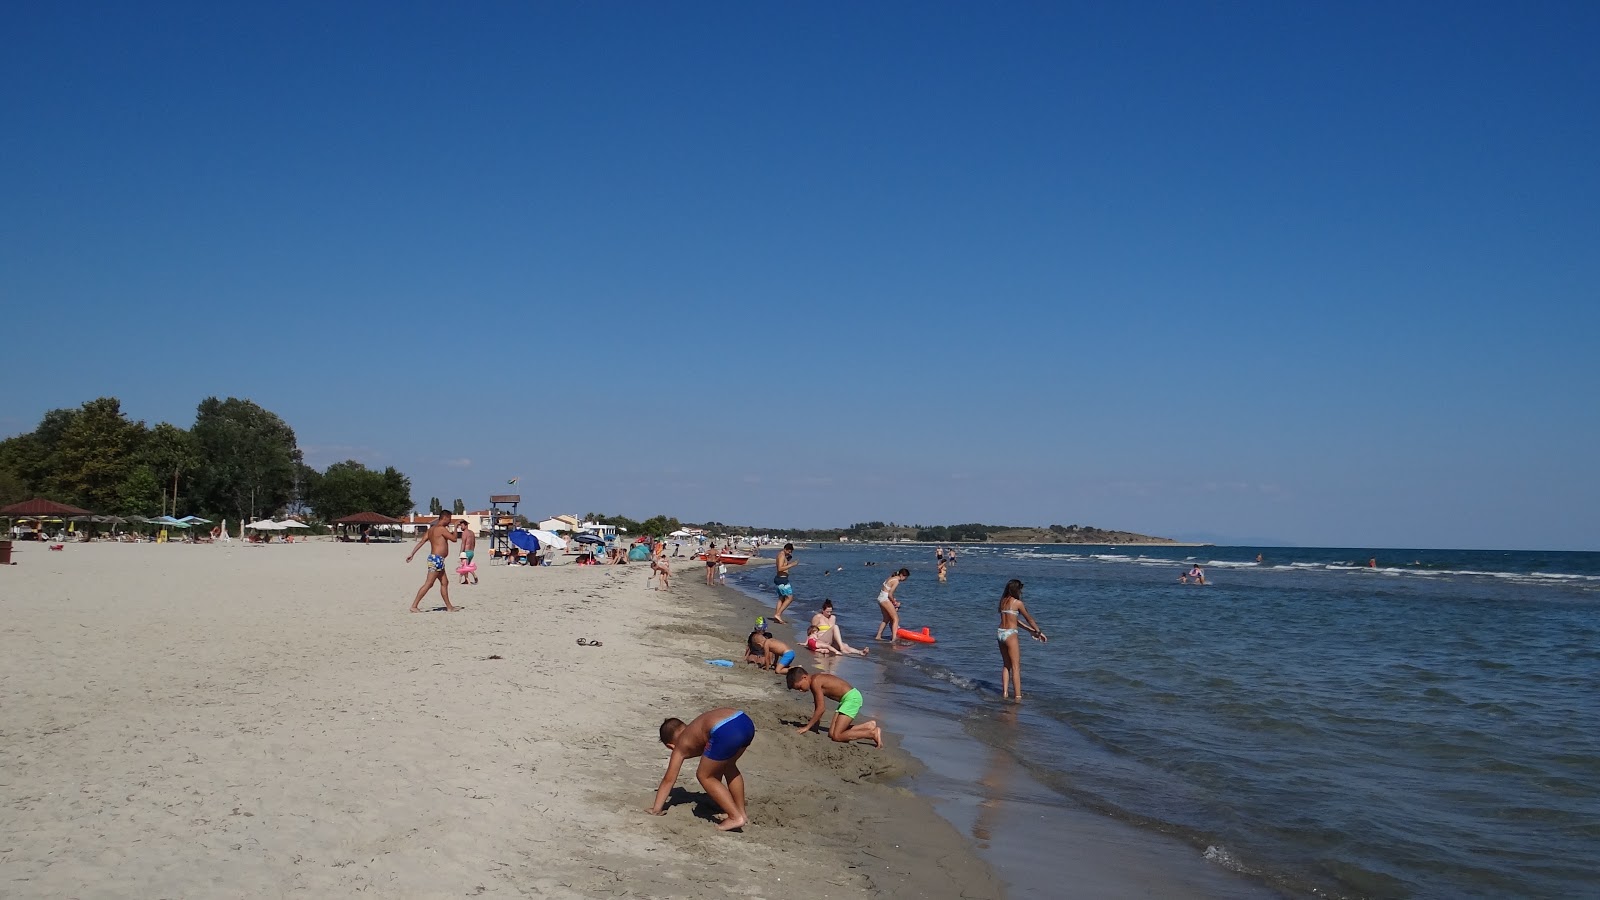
(719, 738)
(776, 655)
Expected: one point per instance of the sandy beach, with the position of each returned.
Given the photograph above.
(236, 720)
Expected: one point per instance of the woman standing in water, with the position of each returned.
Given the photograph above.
(1013, 617)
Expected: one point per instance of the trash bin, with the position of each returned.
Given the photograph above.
(5, 553)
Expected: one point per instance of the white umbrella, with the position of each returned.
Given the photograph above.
(548, 539)
(290, 523)
(266, 525)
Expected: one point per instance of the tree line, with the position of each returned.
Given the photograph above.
(236, 461)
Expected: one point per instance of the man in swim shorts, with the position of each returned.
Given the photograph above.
(719, 738)
(785, 589)
(834, 688)
(469, 548)
(438, 537)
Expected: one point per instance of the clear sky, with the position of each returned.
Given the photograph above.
(1307, 273)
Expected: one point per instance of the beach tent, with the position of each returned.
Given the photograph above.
(639, 553)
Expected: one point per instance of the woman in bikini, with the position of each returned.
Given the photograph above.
(828, 631)
(889, 606)
(1013, 617)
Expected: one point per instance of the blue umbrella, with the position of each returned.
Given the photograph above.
(587, 538)
(524, 541)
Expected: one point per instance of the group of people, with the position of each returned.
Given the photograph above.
(719, 737)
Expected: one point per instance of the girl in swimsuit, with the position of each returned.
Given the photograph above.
(1013, 617)
(889, 606)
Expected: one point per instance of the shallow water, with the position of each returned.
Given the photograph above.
(1427, 728)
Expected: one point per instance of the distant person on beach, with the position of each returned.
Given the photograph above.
(662, 570)
(888, 605)
(711, 565)
(828, 630)
(469, 544)
(1013, 616)
(832, 687)
(719, 738)
(438, 537)
(785, 589)
(1197, 573)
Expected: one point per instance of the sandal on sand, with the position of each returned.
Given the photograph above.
(583, 642)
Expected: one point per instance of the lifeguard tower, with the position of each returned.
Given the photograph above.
(500, 536)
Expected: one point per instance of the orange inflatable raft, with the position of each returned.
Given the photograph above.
(921, 637)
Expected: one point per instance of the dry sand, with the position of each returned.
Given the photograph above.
(232, 720)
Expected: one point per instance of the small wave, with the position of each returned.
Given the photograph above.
(1111, 557)
(1225, 564)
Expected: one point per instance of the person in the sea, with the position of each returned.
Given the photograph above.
(438, 538)
(1372, 563)
(842, 729)
(1197, 573)
(469, 549)
(781, 580)
(828, 632)
(888, 605)
(816, 646)
(1013, 617)
(719, 738)
(943, 571)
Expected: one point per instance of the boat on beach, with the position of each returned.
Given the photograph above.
(730, 559)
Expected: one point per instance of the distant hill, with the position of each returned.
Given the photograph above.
(972, 533)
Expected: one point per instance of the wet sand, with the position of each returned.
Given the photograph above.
(235, 720)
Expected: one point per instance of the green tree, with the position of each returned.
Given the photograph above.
(247, 458)
(139, 494)
(396, 493)
(169, 452)
(12, 488)
(458, 507)
(434, 506)
(96, 454)
(349, 487)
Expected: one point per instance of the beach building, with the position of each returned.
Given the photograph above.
(479, 520)
(560, 523)
(609, 532)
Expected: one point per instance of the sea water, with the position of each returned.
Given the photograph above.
(1429, 727)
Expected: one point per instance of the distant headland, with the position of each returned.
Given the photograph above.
(973, 533)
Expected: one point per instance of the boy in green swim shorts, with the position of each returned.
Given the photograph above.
(832, 687)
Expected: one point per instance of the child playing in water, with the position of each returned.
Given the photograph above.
(835, 688)
(719, 738)
(818, 648)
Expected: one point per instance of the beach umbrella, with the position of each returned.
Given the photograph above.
(265, 525)
(195, 520)
(587, 538)
(547, 539)
(524, 540)
(290, 523)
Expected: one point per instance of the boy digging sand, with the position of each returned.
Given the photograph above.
(719, 738)
(835, 688)
(776, 655)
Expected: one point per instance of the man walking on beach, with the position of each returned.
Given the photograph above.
(785, 589)
(438, 536)
(469, 544)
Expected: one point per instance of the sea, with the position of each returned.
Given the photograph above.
(1425, 727)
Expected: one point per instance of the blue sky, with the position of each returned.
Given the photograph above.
(1319, 275)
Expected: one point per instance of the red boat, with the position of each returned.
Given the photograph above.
(730, 559)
